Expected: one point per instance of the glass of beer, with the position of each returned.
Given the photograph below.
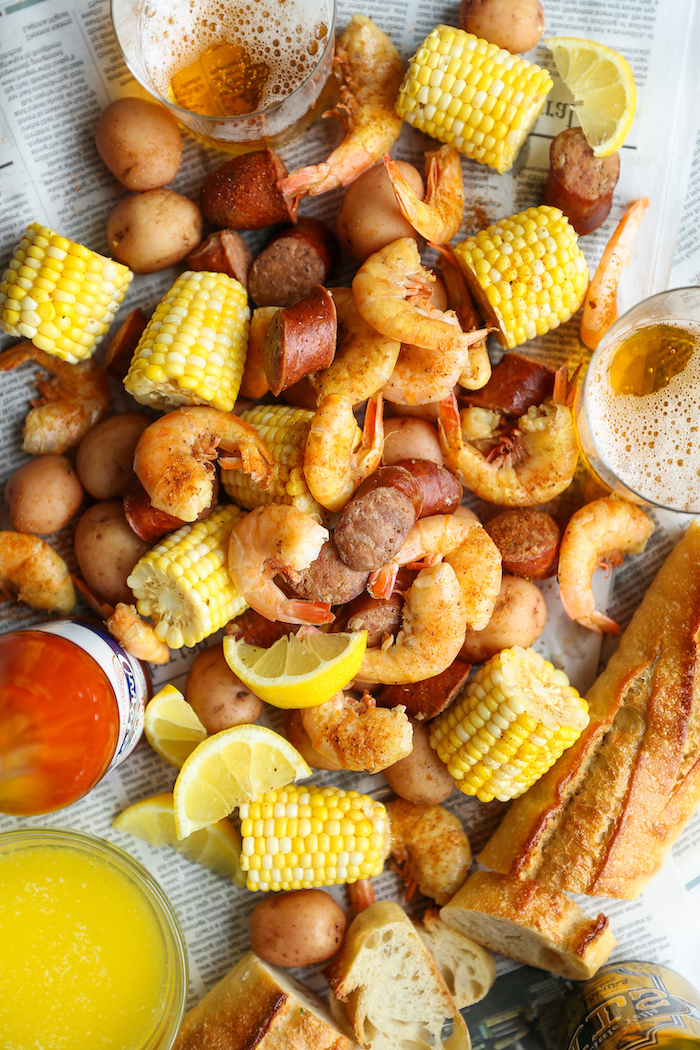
(638, 408)
(241, 74)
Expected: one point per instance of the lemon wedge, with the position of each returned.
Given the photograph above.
(602, 84)
(216, 847)
(296, 673)
(230, 768)
(171, 726)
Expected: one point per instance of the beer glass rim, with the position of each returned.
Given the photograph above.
(214, 119)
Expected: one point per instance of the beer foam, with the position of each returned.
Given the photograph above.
(652, 442)
(280, 33)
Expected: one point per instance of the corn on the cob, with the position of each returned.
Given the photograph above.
(183, 584)
(284, 430)
(527, 273)
(299, 837)
(193, 349)
(515, 718)
(472, 95)
(60, 294)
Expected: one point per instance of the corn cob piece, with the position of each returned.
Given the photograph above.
(193, 349)
(60, 294)
(527, 273)
(183, 584)
(284, 430)
(300, 837)
(515, 718)
(472, 95)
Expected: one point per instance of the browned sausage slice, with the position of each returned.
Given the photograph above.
(579, 183)
(374, 524)
(223, 252)
(442, 492)
(123, 343)
(297, 258)
(300, 340)
(428, 698)
(242, 193)
(378, 616)
(516, 383)
(149, 523)
(528, 540)
(328, 579)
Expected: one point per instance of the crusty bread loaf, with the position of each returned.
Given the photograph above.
(467, 969)
(603, 817)
(527, 922)
(260, 1007)
(389, 986)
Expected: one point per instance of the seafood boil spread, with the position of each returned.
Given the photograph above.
(363, 489)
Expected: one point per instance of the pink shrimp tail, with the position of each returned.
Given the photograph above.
(381, 581)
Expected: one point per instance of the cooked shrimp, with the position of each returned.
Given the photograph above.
(173, 459)
(433, 626)
(431, 847)
(439, 215)
(466, 546)
(273, 539)
(422, 376)
(364, 359)
(33, 572)
(70, 402)
(361, 894)
(369, 72)
(136, 635)
(357, 734)
(459, 299)
(600, 533)
(338, 455)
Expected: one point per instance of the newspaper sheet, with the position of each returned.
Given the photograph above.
(59, 66)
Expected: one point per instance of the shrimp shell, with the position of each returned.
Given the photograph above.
(135, 635)
(438, 217)
(338, 455)
(432, 847)
(31, 569)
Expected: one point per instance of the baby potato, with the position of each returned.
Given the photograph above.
(43, 495)
(140, 143)
(153, 230)
(369, 217)
(299, 738)
(516, 25)
(298, 928)
(105, 457)
(217, 696)
(420, 777)
(518, 619)
(409, 438)
(107, 550)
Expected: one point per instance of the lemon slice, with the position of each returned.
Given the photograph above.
(216, 847)
(294, 673)
(171, 726)
(230, 768)
(602, 84)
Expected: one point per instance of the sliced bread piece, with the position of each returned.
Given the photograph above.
(390, 987)
(257, 1006)
(527, 922)
(467, 969)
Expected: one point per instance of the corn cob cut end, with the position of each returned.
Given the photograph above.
(301, 837)
(473, 95)
(517, 715)
(60, 294)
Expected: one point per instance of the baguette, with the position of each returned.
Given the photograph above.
(527, 922)
(390, 987)
(467, 969)
(604, 816)
(260, 1007)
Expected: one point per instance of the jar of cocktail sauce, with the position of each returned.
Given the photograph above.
(71, 709)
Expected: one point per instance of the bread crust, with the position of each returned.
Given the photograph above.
(602, 819)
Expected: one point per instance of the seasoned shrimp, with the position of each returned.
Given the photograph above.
(70, 402)
(136, 635)
(433, 626)
(173, 457)
(600, 533)
(439, 215)
(357, 734)
(364, 359)
(466, 546)
(270, 540)
(431, 848)
(34, 573)
(422, 376)
(459, 299)
(338, 455)
(369, 71)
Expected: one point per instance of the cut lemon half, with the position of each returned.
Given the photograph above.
(230, 768)
(216, 847)
(171, 726)
(602, 84)
(296, 673)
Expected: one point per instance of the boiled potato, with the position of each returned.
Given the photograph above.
(408, 438)
(518, 619)
(299, 738)
(107, 550)
(516, 25)
(105, 459)
(420, 777)
(152, 230)
(298, 928)
(369, 217)
(217, 695)
(43, 495)
(140, 143)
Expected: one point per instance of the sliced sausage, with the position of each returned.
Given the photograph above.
(517, 382)
(378, 616)
(301, 339)
(528, 540)
(242, 193)
(256, 629)
(428, 698)
(149, 523)
(296, 259)
(328, 579)
(223, 252)
(123, 343)
(579, 183)
(442, 492)
(374, 524)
